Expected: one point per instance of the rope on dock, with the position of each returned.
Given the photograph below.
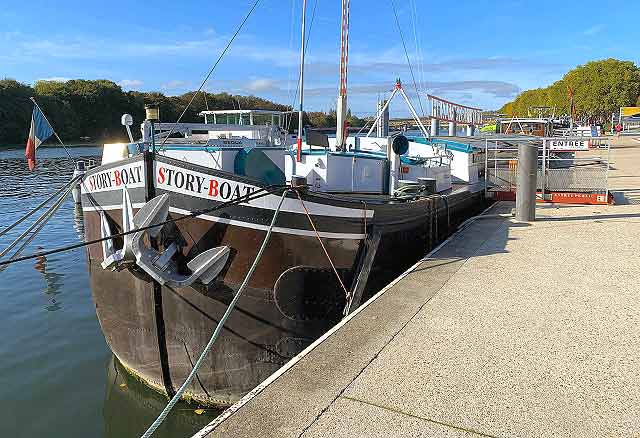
(246, 198)
(216, 332)
(346, 291)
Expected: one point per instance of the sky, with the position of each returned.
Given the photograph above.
(478, 53)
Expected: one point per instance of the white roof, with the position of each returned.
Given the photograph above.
(247, 111)
(524, 120)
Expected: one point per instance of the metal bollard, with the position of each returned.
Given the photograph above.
(526, 184)
(80, 169)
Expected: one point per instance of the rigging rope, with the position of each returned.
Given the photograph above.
(75, 164)
(295, 96)
(246, 198)
(406, 53)
(290, 73)
(417, 37)
(216, 332)
(206, 103)
(346, 292)
(224, 52)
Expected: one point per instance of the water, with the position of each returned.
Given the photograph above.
(58, 378)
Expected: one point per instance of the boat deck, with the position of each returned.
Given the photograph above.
(509, 329)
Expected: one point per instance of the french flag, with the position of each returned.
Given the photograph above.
(39, 132)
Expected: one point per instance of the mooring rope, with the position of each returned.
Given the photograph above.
(39, 224)
(216, 332)
(346, 291)
(43, 219)
(42, 204)
(246, 198)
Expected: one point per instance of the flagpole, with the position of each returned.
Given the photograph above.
(33, 99)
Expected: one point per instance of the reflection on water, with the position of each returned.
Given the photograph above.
(57, 375)
(78, 221)
(130, 407)
(53, 281)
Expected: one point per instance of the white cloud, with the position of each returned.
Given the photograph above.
(130, 83)
(54, 79)
(260, 85)
(172, 85)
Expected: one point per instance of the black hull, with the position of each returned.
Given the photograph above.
(157, 332)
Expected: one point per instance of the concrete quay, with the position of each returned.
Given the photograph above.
(508, 330)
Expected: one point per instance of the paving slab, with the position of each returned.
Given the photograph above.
(539, 339)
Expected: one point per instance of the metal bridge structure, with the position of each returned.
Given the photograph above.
(443, 110)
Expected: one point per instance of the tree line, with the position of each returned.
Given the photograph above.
(599, 89)
(92, 108)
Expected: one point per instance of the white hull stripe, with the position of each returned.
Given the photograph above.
(270, 202)
(283, 230)
(112, 207)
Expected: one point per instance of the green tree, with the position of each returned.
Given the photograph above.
(15, 111)
(600, 89)
(92, 108)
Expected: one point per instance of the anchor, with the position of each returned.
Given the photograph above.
(116, 260)
(205, 267)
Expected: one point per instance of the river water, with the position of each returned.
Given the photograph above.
(58, 377)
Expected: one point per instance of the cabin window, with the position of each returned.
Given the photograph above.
(262, 119)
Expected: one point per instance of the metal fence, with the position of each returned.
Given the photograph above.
(565, 164)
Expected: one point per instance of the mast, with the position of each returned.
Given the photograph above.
(572, 108)
(341, 110)
(301, 86)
